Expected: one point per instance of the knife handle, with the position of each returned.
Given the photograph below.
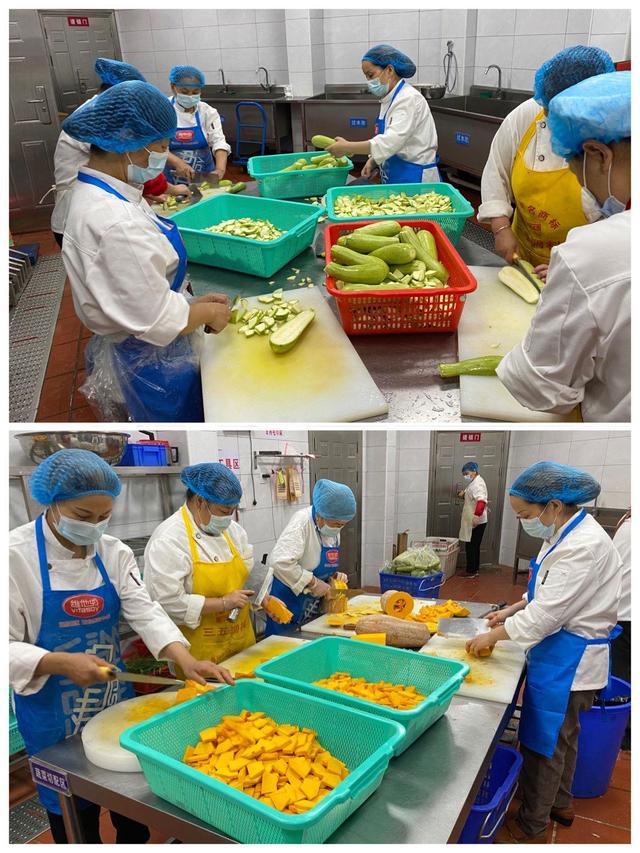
(233, 615)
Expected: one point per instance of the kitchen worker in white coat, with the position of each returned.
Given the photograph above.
(69, 585)
(564, 623)
(307, 553)
(199, 138)
(71, 154)
(530, 196)
(127, 266)
(578, 348)
(198, 561)
(474, 516)
(405, 146)
(621, 646)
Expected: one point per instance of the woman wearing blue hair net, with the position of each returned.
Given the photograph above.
(70, 583)
(529, 196)
(199, 565)
(564, 623)
(307, 553)
(578, 348)
(127, 266)
(199, 139)
(405, 146)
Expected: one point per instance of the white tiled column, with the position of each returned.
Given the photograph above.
(305, 51)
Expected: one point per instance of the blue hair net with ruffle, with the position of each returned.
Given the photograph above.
(214, 482)
(470, 466)
(70, 474)
(546, 481)
(112, 71)
(568, 67)
(334, 501)
(386, 54)
(186, 75)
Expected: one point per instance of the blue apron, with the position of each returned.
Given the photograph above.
(191, 145)
(395, 170)
(551, 667)
(73, 620)
(304, 607)
(158, 383)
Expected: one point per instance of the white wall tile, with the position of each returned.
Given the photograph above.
(202, 38)
(531, 51)
(135, 42)
(274, 57)
(336, 76)
(341, 13)
(133, 19)
(342, 55)
(579, 20)
(205, 60)
(347, 29)
(522, 78)
(239, 59)
(416, 439)
(453, 23)
(237, 16)
(574, 39)
(521, 437)
(614, 45)
(168, 40)
(199, 18)
(618, 450)
(298, 33)
(373, 508)
(373, 532)
(291, 14)
(298, 58)
(496, 22)
(508, 548)
(588, 452)
(616, 478)
(317, 57)
(541, 22)
(494, 50)
(376, 483)
(610, 21)
(235, 36)
(392, 27)
(413, 481)
(144, 62)
(556, 452)
(430, 75)
(413, 460)
(375, 438)
(411, 502)
(415, 523)
(614, 499)
(430, 23)
(269, 15)
(165, 19)
(430, 51)
(167, 59)
(522, 457)
(271, 34)
(375, 459)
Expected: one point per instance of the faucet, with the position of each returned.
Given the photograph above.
(266, 86)
(499, 92)
(225, 88)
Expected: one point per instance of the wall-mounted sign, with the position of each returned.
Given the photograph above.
(358, 122)
(272, 433)
(470, 436)
(75, 21)
(55, 780)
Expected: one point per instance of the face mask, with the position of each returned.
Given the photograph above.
(80, 532)
(377, 87)
(142, 174)
(187, 101)
(330, 532)
(217, 524)
(534, 527)
(612, 205)
(467, 477)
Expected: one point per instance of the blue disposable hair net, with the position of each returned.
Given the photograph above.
(568, 67)
(546, 481)
(598, 108)
(70, 474)
(470, 466)
(213, 482)
(385, 54)
(126, 117)
(334, 501)
(112, 71)
(186, 75)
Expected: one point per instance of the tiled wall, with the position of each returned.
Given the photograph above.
(605, 455)
(237, 40)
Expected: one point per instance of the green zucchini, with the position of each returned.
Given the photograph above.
(369, 273)
(225, 183)
(290, 333)
(343, 255)
(399, 253)
(390, 228)
(429, 242)
(322, 142)
(366, 243)
(485, 365)
(520, 285)
(237, 188)
(409, 236)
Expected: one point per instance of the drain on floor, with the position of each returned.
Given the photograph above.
(27, 820)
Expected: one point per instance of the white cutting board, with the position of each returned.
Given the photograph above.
(320, 626)
(494, 678)
(493, 314)
(247, 660)
(101, 735)
(321, 379)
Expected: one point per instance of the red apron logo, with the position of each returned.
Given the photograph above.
(333, 555)
(184, 135)
(83, 606)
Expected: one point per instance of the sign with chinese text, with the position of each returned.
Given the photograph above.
(470, 436)
(55, 780)
(75, 21)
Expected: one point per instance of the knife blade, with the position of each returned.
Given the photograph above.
(517, 263)
(120, 675)
(462, 629)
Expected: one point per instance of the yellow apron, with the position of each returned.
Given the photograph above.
(548, 204)
(216, 638)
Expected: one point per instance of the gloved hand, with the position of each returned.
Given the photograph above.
(318, 588)
(369, 168)
(340, 576)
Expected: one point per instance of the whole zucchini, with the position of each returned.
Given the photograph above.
(323, 142)
(366, 243)
(343, 255)
(399, 253)
(390, 228)
(370, 273)
(409, 236)
(429, 242)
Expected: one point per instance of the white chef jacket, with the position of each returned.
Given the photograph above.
(209, 121)
(580, 593)
(578, 347)
(66, 572)
(622, 544)
(410, 131)
(497, 194)
(477, 491)
(120, 265)
(168, 568)
(296, 554)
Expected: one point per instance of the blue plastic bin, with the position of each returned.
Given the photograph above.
(426, 587)
(149, 455)
(494, 798)
(601, 733)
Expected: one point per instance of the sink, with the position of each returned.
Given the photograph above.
(344, 96)
(242, 93)
(498, 108)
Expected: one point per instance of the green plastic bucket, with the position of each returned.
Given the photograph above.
(363, 742)
(437, 678)
(274, 183)
(239, 254)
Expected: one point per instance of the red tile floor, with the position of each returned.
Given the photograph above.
(603, 820)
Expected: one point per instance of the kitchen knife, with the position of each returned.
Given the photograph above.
(120, 675)
(493, 609)
(259, 581)
(461, 629)
(196, 195)
(517, 263)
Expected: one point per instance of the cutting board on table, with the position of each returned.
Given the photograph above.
(321, 379)
(247, 660)
(319, 625)
(494, 678)
(493, 322)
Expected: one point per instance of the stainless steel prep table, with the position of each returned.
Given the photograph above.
(404, 367)
(425, 796)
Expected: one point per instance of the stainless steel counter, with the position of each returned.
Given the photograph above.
(425, 796)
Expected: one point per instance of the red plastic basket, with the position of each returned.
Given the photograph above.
(401, 311)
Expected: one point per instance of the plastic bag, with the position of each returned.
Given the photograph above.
(415, 561)
(131, 380)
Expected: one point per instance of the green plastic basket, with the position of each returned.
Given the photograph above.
(16, 744)
(437, 678)
(299, 220)
(451, 223)
(275, 184)
(363, 742)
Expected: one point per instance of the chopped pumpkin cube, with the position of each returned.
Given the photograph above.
(269, 782)
(209, 734)
(281, 798)
(300, 766)
(280, 766)
(311, 786)
(331, 780)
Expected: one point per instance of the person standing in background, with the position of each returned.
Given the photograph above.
(474, 516)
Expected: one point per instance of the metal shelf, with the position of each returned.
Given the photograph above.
(270, 458)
